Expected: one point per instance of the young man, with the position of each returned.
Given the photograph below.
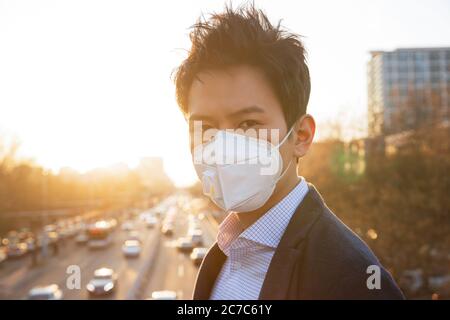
(279, 239)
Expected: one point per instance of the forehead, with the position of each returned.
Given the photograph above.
(222, 92)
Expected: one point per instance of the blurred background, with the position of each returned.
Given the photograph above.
(95, 169)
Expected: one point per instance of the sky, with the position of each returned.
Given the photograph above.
(86, 84)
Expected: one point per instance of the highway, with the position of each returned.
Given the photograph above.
(174, 270)
(164, 266)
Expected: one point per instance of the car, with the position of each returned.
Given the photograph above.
(134, 235)
(169, 220)
(100, 235)
(151, 222)
(167, 229)
(64, 233)
(194, 226)
(185, 244)
(82, 238)
(113, 223)
(192, 218)
(127, 225)
(131, 248)
(71, 231)
(198, 254)
(196, 237)
(104, 282)
(146, 214)
(24, 234)
(53, 237)
(50, 228)
(31, 244)
(17, 250)
(164, 295)
(50, 292)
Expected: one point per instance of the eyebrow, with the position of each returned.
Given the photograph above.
(247, 110)
(196, 117)
(243, 111)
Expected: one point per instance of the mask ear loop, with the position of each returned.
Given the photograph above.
(278, 146)
(285, 170)
(285, 137)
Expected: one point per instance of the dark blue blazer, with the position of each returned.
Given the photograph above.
(318, 257)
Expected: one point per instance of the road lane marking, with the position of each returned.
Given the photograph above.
(170, 243)
(180, 270)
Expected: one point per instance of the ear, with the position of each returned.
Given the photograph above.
(304, 130)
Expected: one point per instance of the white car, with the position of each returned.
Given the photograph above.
(81, 238)
(185, 244)
(51, 292)
(131, 248)
(196, 237)
(134, 235)
(164, 295)
(103, 283)
(127, 225)
(167, 229)
(194, 226)
(198, 254)
(151, 222)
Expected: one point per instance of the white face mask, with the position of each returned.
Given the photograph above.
(239, 173)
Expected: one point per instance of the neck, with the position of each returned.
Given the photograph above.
(285, 185)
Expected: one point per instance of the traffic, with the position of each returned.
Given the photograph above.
(150, 253)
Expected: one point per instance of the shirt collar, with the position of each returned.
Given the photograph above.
(229, 230)
(269, 228)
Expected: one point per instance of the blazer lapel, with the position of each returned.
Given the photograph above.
(280, 273)
(278, 277)
(208, 272)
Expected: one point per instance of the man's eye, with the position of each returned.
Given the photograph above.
(208, 133)
(248, 124)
